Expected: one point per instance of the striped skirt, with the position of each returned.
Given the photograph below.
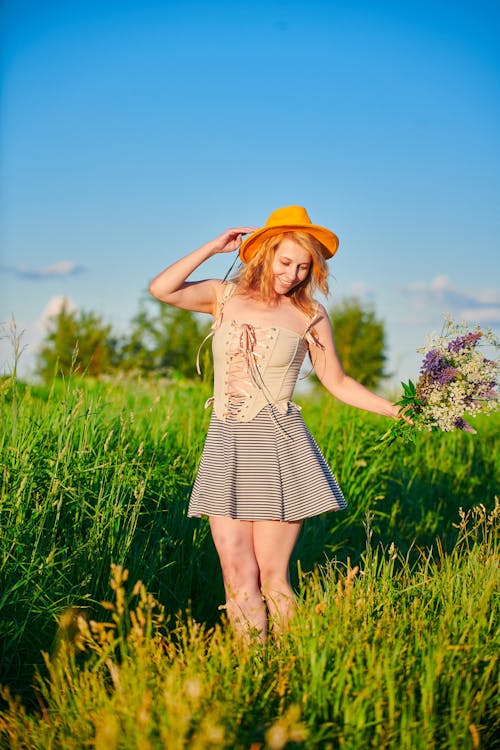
(268, 469)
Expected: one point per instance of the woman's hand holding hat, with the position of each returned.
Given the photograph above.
(231, 239)
(172, 286)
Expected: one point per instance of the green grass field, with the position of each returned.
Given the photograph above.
(396, 640)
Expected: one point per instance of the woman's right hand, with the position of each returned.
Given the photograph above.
(171, 285)
(231, 239)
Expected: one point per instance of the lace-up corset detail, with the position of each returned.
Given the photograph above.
(254, 366)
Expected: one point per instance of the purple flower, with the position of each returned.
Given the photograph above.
(436, 369)
(445, 376)
(461, 424)
(432, 363)
(464, 342)
(485, 388)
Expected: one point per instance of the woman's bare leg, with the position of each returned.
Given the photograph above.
(245, 607)
(273, 543)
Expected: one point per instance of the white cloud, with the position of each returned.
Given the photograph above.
(486, 315)
(440, 283)
(53, 308)
(440, 296)
(55, 270)
(489, 297)
(62, 268)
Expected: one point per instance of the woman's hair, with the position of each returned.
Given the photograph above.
(256, 276)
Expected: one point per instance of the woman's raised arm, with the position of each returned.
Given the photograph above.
(171, 285)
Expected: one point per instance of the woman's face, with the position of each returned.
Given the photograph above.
(291, 265)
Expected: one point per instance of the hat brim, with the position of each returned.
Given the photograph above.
(251, 245)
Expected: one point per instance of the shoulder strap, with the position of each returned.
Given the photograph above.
(311, 337)
(229, 289)
(310, 334)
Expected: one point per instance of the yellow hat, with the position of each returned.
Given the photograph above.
(289, 219)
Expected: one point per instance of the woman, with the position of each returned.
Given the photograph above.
(261, 472)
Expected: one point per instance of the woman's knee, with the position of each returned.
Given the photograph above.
(273, 572)
(274, 583)
(239, 572)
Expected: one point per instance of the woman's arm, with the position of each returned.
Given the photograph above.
(332, 376)
(170, 285)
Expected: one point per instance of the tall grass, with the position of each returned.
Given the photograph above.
(100, 473)
(387, 655)
(88, 481)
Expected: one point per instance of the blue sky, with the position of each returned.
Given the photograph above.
(133, 131)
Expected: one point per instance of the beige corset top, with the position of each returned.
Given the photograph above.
(254, 365)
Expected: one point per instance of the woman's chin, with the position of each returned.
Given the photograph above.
(282, 289)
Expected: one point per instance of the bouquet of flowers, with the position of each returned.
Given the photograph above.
(456, 380)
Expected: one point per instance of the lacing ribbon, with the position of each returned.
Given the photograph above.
(209, 336)
(247, 342)
(313, 340)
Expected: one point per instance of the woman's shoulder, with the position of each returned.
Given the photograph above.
(318, 311)
(319, 320)
(225, 290)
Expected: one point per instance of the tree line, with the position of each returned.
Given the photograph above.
(164, 340)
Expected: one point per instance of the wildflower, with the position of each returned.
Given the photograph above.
(455, 380)
(432, 363)
(464, 342)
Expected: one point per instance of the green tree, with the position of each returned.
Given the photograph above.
(163, 338)
(360, 341)
(76, 341)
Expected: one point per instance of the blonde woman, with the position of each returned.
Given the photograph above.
(261, 473)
